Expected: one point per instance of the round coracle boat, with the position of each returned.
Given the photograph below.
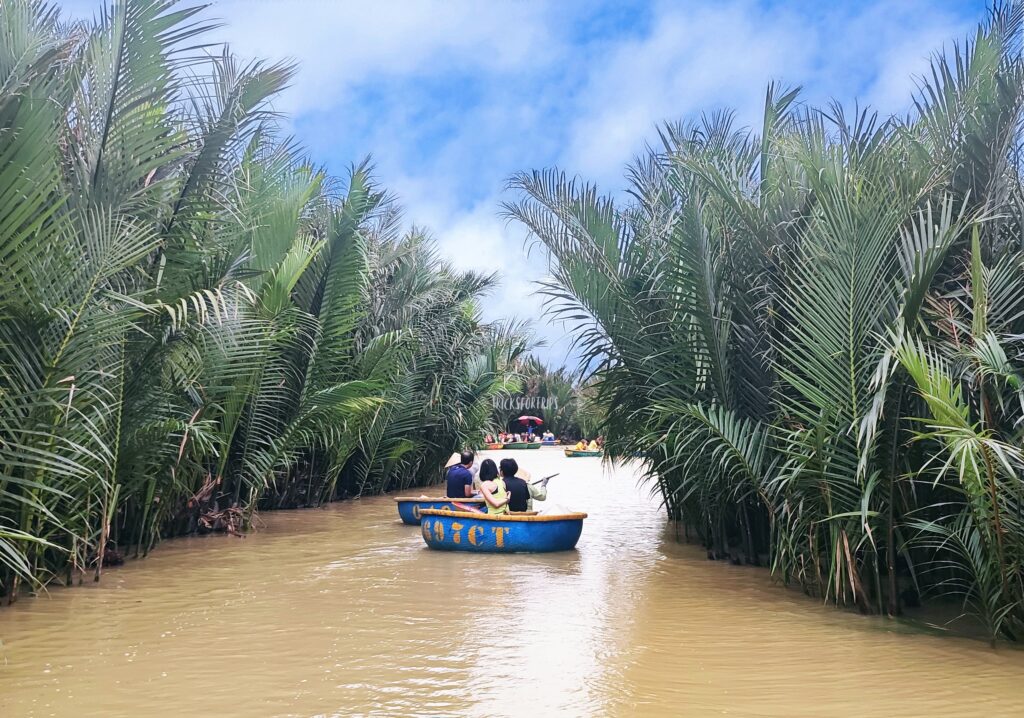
(527, 532)
(578, 453)
(409, 507)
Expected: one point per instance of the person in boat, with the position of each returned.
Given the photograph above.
(581, 445)
(509, 492)
(488, 472)
(592, 446)
(460, 477)
(495, 492)
(538, 490)
(488, 439)
(518, 489)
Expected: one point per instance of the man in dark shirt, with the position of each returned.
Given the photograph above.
(460, 477)
(518, 490)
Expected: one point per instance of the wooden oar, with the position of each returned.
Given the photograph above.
(544, 480)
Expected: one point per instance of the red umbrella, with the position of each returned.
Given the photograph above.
(528, 419)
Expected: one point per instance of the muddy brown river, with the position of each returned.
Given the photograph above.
(343, 611)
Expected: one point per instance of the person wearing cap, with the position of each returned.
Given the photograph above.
(460, 477)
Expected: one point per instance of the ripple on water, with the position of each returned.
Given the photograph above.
(343, 611)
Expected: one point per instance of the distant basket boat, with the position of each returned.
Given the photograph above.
(504, 533)
(549, 442)
(493, 447)
(410, 507)
(523, 445)
(577, 453)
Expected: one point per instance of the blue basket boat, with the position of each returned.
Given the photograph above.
(409, 507)
(506, 533)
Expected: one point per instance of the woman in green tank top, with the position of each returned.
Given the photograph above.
(501, 498)
(493, 488)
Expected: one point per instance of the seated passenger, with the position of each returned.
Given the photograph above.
(488, 472)
(581, 445)
(495, 493)
(518, 489)
(460, 477)
(592, 446)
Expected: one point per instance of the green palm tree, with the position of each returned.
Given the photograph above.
(736, 316)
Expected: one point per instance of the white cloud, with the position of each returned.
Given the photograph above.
(477, 239)
(340, 44)
(695, 59)
(451, 97)
(704, 56)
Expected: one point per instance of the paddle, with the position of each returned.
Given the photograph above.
(544, 480)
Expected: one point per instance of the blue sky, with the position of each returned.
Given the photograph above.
(452, 97)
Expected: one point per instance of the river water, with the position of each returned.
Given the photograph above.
(343, 611)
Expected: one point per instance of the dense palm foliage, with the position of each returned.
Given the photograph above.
(815, 330)
(194, 321)
(550, 394)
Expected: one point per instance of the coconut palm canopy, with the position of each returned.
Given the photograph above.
(195, 321)
(814, 331)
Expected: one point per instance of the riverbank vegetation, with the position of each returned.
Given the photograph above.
(814, 331)
(195, 321)
(553, 395)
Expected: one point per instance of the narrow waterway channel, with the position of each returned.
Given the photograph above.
(343, 611)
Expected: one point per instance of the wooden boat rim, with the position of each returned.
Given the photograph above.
(575, 516)
(473, 500)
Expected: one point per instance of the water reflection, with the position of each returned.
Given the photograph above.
(343, 611)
